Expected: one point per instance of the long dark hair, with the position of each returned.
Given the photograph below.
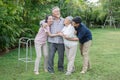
(46, 18)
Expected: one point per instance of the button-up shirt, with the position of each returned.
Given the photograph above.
(56, 27)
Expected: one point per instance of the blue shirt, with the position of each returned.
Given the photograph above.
(83, 33)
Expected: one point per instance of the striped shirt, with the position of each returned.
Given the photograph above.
(56, 27)
(41, 36)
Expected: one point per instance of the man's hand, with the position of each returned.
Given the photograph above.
(44, 25)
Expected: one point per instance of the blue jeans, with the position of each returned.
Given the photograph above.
(53, 47)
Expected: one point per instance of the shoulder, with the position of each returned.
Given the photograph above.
(83, 26)
(61, 18)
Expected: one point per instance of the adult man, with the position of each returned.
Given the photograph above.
(56, 43)
(85, 38)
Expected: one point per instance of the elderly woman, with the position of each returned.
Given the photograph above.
(70, 46)
(85, 39)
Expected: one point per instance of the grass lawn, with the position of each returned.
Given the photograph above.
(104, 57)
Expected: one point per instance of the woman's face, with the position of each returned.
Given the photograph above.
(66, 21)
(50, 20)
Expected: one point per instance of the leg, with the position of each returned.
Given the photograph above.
(61, 50)
(52, 50)
(67, 51)
(86, 47)
(38, 56)
(71, 58)
(45, 53)
(81, 49)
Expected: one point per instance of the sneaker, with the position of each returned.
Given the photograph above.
(52, 73)
(82, 72)
(68, 73)
(61, 70)
(36, 72)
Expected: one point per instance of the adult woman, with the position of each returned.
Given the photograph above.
(41, 43)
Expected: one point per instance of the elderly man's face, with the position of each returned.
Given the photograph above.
(56, 13)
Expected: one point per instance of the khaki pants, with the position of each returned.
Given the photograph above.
(39, 49)
(84, 48)
(70, 53)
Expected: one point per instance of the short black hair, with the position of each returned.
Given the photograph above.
(77, 19)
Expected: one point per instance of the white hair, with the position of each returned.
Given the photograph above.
(70, 18)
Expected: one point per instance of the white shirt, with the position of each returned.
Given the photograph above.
(70, 32)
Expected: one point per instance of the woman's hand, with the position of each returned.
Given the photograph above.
(60, 34)
(44, 25)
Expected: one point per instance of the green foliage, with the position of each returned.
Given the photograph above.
(20, 18)
(9, 29)
(112, 7)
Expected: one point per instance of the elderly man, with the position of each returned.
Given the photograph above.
(56, 43)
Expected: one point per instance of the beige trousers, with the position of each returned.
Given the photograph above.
(70, 53)
(39, 50)
(84, 48)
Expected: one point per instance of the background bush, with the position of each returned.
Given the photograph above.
(20, 18)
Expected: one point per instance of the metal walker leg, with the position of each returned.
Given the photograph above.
(28, 53)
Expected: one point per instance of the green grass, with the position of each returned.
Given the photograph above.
(104, 56)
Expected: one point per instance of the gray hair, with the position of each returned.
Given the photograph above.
(56, 7)
(70, 18)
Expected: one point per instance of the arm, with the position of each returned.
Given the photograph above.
(71, 39)
(68, 38)
(52, 35)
